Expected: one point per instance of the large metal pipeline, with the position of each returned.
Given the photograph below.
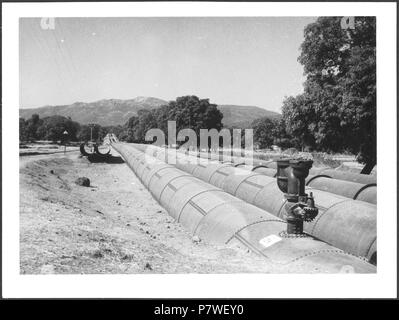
(346, 224)
(349, 176)
(332, 173)
(348, 189)
(318, 180)
(353, 190)
(220, 218)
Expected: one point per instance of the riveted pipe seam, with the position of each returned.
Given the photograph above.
(364, 188)
(249, 245)
(216, 228)
(197, 194)
(350, 193)
(221, 204)
(321, 214)
(311, 178)
(329, 172)
(170, 185)
(256, 222)
(279, 211)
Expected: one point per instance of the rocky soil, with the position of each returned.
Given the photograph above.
(112, 226)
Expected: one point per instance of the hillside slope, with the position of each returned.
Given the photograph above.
(116, 111)
(103, 112)
(242, 116)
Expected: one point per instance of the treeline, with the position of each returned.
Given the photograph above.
(49, 128)
(59, 129)
(188, 112)
(337, 110)
(271, 131)
(335, 113)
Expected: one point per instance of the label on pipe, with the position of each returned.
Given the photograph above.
(269, 240)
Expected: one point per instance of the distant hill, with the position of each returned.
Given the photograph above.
(242, 116)
(116, 111)
(103, 112)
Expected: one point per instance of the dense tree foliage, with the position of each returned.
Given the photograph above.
(92, 132)
(53, 128)
(188, 112)
(23, 130)
(337, 111)
(28, 128)
(49, 128)
(271, 131)
(192, 112)
(264, 132)
(116, 130)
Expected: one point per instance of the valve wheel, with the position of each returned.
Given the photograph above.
(310, 214)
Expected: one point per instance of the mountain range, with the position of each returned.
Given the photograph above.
(115, 111)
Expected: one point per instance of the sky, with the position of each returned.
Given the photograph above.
(243, 61)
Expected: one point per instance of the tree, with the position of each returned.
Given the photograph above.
(146, 121)
(191, 112)
(52, 128)
(281, 136)
(271, 131)
(23, 132)
(337, 110)
(358, 111)
(31, 126)
(129, 130)
(116, 130)
(297, 114)
(188, 112)
(264, 131)
(91, 131)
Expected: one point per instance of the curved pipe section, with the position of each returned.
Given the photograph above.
(349, 176)
(332, 173)
(96, 150)
(323, 182)
(270, 172)
(352, 190)
(346, 188)
(341, 182)
(368, 193)
(346, 224)
(220, 218)
(83, 150)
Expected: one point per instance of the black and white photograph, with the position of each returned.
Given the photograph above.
(202, 145)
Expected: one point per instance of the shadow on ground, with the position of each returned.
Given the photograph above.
(95, 158)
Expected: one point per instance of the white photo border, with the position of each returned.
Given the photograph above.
(380, 285)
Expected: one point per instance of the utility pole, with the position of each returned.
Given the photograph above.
(91, 138)
(65, 133)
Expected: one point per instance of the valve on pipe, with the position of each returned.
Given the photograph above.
(300, 207)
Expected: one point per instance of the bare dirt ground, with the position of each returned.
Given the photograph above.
(113, 226)
(44, 147)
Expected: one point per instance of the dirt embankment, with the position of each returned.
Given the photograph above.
(113, 226)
